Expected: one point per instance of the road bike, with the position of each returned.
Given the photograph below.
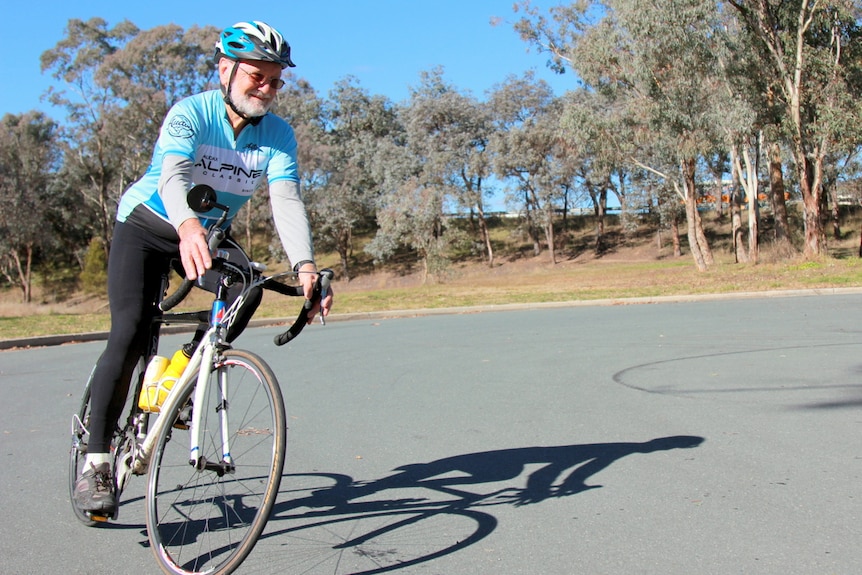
(214, 454)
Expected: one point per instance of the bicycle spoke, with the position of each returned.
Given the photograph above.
(211, 518)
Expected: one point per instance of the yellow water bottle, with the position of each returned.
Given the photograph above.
(155, 369)
(170, 376)
(153, 396)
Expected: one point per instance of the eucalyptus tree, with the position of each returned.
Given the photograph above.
(361, 131)
(150, 73)
(811, 55)
(28, 159)
(423, 176)
(751, 116)
(658, 61)
(90, 159)
(528, 151)
(599, 138)
(115, 85)
(410, 211)
(450, 130)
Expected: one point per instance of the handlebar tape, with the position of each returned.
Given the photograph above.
(178, 296)
(321, 287)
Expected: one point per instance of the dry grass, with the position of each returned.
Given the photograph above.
(634, 269)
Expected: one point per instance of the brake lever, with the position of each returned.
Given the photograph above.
(325, 276)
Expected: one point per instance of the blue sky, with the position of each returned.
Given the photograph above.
(383, 43)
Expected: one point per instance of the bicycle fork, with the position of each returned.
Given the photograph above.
(196, 458)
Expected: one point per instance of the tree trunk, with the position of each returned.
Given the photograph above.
(753, 225)
(345, 266)
(696, 238)
(600, 206)
(719, 205)
(809, 185)
(24, 272)
(690, 211)
(549, 231)
(835, 211)
(674, 235)
(702, 242)
(739, 253)
(343, 243)
(778, 192)
(748, 175)
(529, 206)
(485, 234)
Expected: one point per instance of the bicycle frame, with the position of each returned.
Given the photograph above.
(204, 355)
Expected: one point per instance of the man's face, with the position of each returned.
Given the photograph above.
(252, 92)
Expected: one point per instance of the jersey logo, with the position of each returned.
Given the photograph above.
(180, 127)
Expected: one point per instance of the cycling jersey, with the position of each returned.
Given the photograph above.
(197, 128)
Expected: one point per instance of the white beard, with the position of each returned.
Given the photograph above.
(251, 107)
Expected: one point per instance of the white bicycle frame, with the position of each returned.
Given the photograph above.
(204, 355)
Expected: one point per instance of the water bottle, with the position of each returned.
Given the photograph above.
(170, 376)
(155, 369)
(158, 391)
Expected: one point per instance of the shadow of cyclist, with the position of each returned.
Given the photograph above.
(564, 470)
(369, 527)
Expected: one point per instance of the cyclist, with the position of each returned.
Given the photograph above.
(224, 138)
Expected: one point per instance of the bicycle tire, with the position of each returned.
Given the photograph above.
(205, 521)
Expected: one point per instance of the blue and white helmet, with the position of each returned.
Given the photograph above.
(253, 41)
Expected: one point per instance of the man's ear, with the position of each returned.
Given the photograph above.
(224, 68)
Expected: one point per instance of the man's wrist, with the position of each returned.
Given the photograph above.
(299, 265)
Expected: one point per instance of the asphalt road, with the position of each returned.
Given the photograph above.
(707, 437)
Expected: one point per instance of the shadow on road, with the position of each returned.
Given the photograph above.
(334, 524)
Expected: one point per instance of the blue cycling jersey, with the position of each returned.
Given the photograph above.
(197, 128)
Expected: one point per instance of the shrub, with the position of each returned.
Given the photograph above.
(94, 276)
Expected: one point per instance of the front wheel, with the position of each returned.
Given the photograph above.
(208, 521)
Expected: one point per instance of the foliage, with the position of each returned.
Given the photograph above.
(518, 280)
(811, 61)
(120, 83)
(94, 276)
(28, 157)
(529, 152)
(348, 170)
(664, 96)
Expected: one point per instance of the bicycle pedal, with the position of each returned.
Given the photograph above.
(99, 518)
(184, 417)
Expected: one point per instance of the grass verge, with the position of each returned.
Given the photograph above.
(524, 282)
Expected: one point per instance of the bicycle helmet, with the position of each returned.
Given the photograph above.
(253, 41)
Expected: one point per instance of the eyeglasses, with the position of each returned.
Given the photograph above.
(261, 80)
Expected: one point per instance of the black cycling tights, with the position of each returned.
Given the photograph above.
(136, 263)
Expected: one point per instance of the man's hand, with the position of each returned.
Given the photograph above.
(307, 278)
(194, 251)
